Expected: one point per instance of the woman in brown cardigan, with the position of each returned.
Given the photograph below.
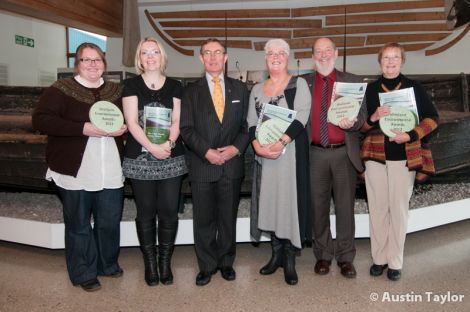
(393, 163)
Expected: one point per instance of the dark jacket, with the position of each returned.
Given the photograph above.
(202, 130)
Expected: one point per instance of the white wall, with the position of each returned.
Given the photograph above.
(25, 63)
(454, 60)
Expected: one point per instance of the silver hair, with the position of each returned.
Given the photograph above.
(278, 43)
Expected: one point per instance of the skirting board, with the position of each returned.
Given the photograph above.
(51, 236)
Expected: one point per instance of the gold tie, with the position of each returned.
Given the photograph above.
(218, 98)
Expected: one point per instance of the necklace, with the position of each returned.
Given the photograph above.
(388, 90)
(152, 85)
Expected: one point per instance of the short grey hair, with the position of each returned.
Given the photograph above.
(277, 43)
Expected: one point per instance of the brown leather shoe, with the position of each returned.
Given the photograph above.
(347, 269)
(322, 267)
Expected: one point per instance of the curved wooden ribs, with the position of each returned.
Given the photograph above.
(379, 23)
(162, 35)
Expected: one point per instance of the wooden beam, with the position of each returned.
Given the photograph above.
(381, 39)
(363, 51)
(254, 23)
(302, 43)
(206, 33)
(339, 30)
(96, 16)
(240, 44)
(449, 44)
(22, 137)
(386, 18)
(258, 13)
(367, 7)
(168, 41)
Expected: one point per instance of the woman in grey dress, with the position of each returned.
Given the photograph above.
(280, 200)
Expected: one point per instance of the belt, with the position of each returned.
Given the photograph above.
(329, 146)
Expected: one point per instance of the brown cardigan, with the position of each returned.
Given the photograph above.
(62, 112)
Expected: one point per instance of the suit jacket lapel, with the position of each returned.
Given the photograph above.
(228, 99)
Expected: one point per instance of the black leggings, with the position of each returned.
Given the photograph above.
(157, 197)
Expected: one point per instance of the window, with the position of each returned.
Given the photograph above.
(75, 37)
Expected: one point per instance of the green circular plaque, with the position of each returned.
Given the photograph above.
(271, 130)
(400, 118)
(106, 116)
(343, 107)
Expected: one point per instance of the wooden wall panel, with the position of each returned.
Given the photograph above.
(385, 18)
(339, 30)
(367, 7)
(221, 33)
(97, 16)
(240, 44)
(254, 23)
(303, 43)
(363, 51)
(259, 13)
(382, 39)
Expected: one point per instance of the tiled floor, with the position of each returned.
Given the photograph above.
(437, 261)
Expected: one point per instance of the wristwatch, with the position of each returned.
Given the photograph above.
(172, 144)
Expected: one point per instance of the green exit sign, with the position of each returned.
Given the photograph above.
(29, 42)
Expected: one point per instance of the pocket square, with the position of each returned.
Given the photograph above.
(236, 101)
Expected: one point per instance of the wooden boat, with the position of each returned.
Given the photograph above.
(22, 150)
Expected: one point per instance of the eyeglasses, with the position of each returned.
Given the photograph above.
(278, 54)
(89, 61)
(150, 52)
(391, 58)
(212, 53)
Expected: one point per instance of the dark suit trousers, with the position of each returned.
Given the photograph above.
(332, 173)
(215, 207)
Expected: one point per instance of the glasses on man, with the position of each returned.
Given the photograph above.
(277, 54)
(149, 52)
(212, 53)
(89, 61)
(391, 58)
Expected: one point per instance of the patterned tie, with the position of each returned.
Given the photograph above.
(324, 113)
(218, 98)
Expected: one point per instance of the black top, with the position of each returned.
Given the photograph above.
(394, 151)
(162, 97)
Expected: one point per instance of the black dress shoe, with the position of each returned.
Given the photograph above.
(116, 274)
(322, 267)
(393, 275)
(203, 278)
(91, 285)
(347, 269)
(228, 273)
(377, 269)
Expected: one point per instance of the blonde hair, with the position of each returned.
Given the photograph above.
(164, 60)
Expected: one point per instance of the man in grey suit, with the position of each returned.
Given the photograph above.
(334, 163)
(214, 128)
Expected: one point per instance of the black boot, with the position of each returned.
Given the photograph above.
(276, 258)
(166, 244)
(290, 275)
(147, 232)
